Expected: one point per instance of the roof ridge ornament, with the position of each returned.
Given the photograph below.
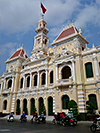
(68, 25)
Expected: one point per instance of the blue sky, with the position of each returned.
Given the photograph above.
(19, 19)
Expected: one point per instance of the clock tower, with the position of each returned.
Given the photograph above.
(41, 40)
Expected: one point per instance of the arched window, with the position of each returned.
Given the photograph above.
(5, 105)
(18, 107)
(28, 81)
(65, 100)
(21, 83)
(9, 83)
(89, 70)
(50, 106)
(51, 77)
(93, 99)
(43, 79)
(35, 80)
(66, 72)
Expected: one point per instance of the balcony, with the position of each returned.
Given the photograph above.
(6, 90)
(34, 87)
(98, 78)
(65, 82)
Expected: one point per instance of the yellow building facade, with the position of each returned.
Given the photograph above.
(52, 76)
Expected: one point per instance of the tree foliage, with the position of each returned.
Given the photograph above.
(90, 107)
(72, 106)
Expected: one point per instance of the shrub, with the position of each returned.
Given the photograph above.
(72, 106)
(90, 107)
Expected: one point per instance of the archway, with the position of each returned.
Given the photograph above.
(51, 77)
(66, 72)
(21, 83)
(18, 107)
(25, 106)
(9, 83)
(28, 81)
(41, 105)
(50, 106)
(5, 105)
(32, 103)
(43, 79)
(65, 100)
(35, 80)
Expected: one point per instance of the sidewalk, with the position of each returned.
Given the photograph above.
(48, 118)
(17, 117)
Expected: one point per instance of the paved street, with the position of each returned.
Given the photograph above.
(17, 127)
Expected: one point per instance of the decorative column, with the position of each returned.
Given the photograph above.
(30, 80)
(23, 82)
(42, 38)
(56, 73)
(73, 69)
(95, 64)
(12, 84)
(38, 81)
(21, 106)
(4, 83)
(46, 77)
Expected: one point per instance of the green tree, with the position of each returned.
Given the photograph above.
(72, 106)
(90, 107)
(42, 109)
(33, 109)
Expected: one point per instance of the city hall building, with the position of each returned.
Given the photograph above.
(52, 76)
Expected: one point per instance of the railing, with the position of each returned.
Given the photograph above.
(7, 90)
(42, 86)
(98, 77)
(65, 81)
(51, 84)
(34, 87)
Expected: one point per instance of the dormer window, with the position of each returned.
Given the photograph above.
(82, 48)
(38, 40)
(44, 25)
(11, 69)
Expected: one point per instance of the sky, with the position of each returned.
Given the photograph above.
(19, 19)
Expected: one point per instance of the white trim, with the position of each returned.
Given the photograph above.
(81, 111)
(81, 107)
(81, 96)
(81, 100)
(81, 104)
(81, 92)
(90, 79)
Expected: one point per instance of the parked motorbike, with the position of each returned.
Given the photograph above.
(57, 119)
(95, 125)
(38, 119)
(23, 119)
(11, 119)
(64, 121)
(69, 121)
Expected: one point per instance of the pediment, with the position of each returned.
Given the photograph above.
(64, 52)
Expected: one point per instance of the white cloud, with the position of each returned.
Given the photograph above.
(18, 15)
(23, 15)
(8, 48)
(89, 14)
